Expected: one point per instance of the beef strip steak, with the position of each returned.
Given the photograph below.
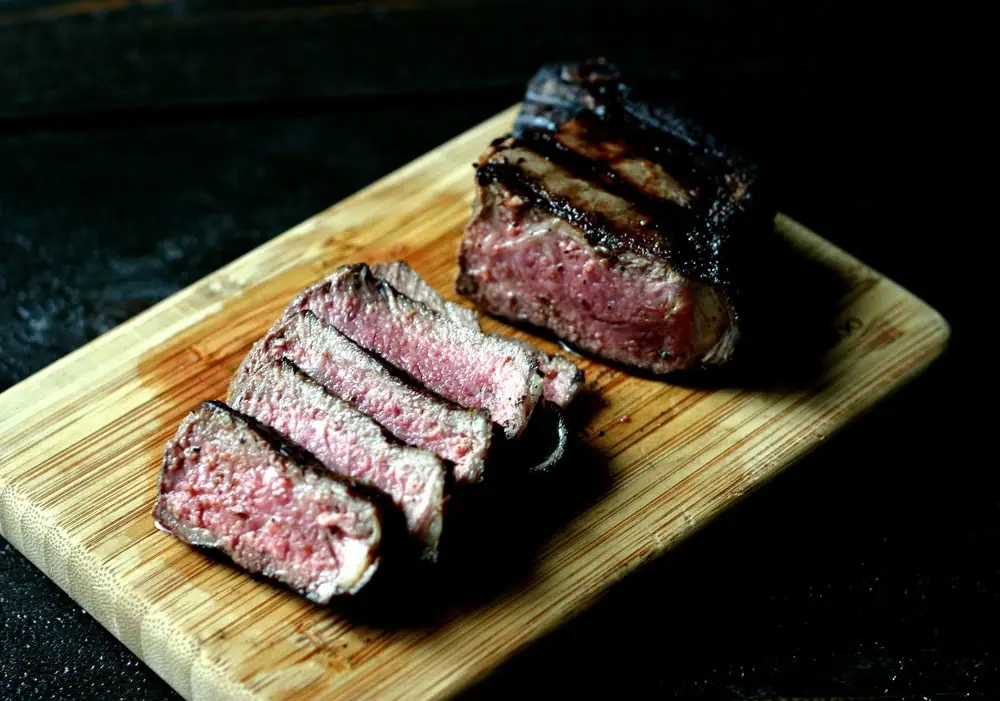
(613, 223)
(405, 279)
(464, 366)
(347, 442)
(457, 435)
(561, 379)
(229, 484)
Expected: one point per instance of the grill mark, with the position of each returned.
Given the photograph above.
(692, 248)
(674, 154)
(660, 212)
(598, 229)
(733, 200)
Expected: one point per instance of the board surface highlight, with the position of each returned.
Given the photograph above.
(81, 443)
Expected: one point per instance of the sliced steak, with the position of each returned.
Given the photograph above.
(347, 442)
(229, 484)
(561, 379)
(455, 434)
(405, 279)
(612, 223)
(459, 364)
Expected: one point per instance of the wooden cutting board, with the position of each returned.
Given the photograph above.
(80, 447)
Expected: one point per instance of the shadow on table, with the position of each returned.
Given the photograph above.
(787, 319)
(495, 530)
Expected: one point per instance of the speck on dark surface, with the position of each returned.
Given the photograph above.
(53, 649)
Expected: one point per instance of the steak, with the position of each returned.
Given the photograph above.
(406, 280)
(347, 442)
(561, 379)
(464, 366)
(229, 484)
(452, 433)
(613, 223)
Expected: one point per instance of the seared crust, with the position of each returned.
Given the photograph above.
(605, 185)
(732, 198)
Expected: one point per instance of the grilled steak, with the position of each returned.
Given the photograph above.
(229, 484)
(455, 434)
(561, 379)
(347, 442)
(613, 223)
(459, 364)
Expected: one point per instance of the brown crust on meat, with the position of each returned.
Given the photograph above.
(590, 108)
(645, 223)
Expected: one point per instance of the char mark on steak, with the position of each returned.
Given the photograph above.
(613, 223)
(463, 366)
(347, 442)
(230, 484)
(561, 379)
(458, 435)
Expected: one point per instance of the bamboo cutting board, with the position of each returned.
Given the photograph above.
(80, 447)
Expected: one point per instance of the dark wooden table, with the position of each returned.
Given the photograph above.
(144, 144)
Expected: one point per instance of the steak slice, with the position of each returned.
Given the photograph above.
(405, 279)
(230, 484)
(614, 224)
(457, 363)
(561, 379)
(452, 433)
(347, 442)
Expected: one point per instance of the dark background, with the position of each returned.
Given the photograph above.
(144, 144)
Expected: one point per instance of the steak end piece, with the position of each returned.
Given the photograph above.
(460, 436)
(462, 365)
(228, 483)
(618, 225)
(348, 443)
(561, 379)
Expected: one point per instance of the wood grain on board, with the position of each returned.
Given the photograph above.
(81, 441)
